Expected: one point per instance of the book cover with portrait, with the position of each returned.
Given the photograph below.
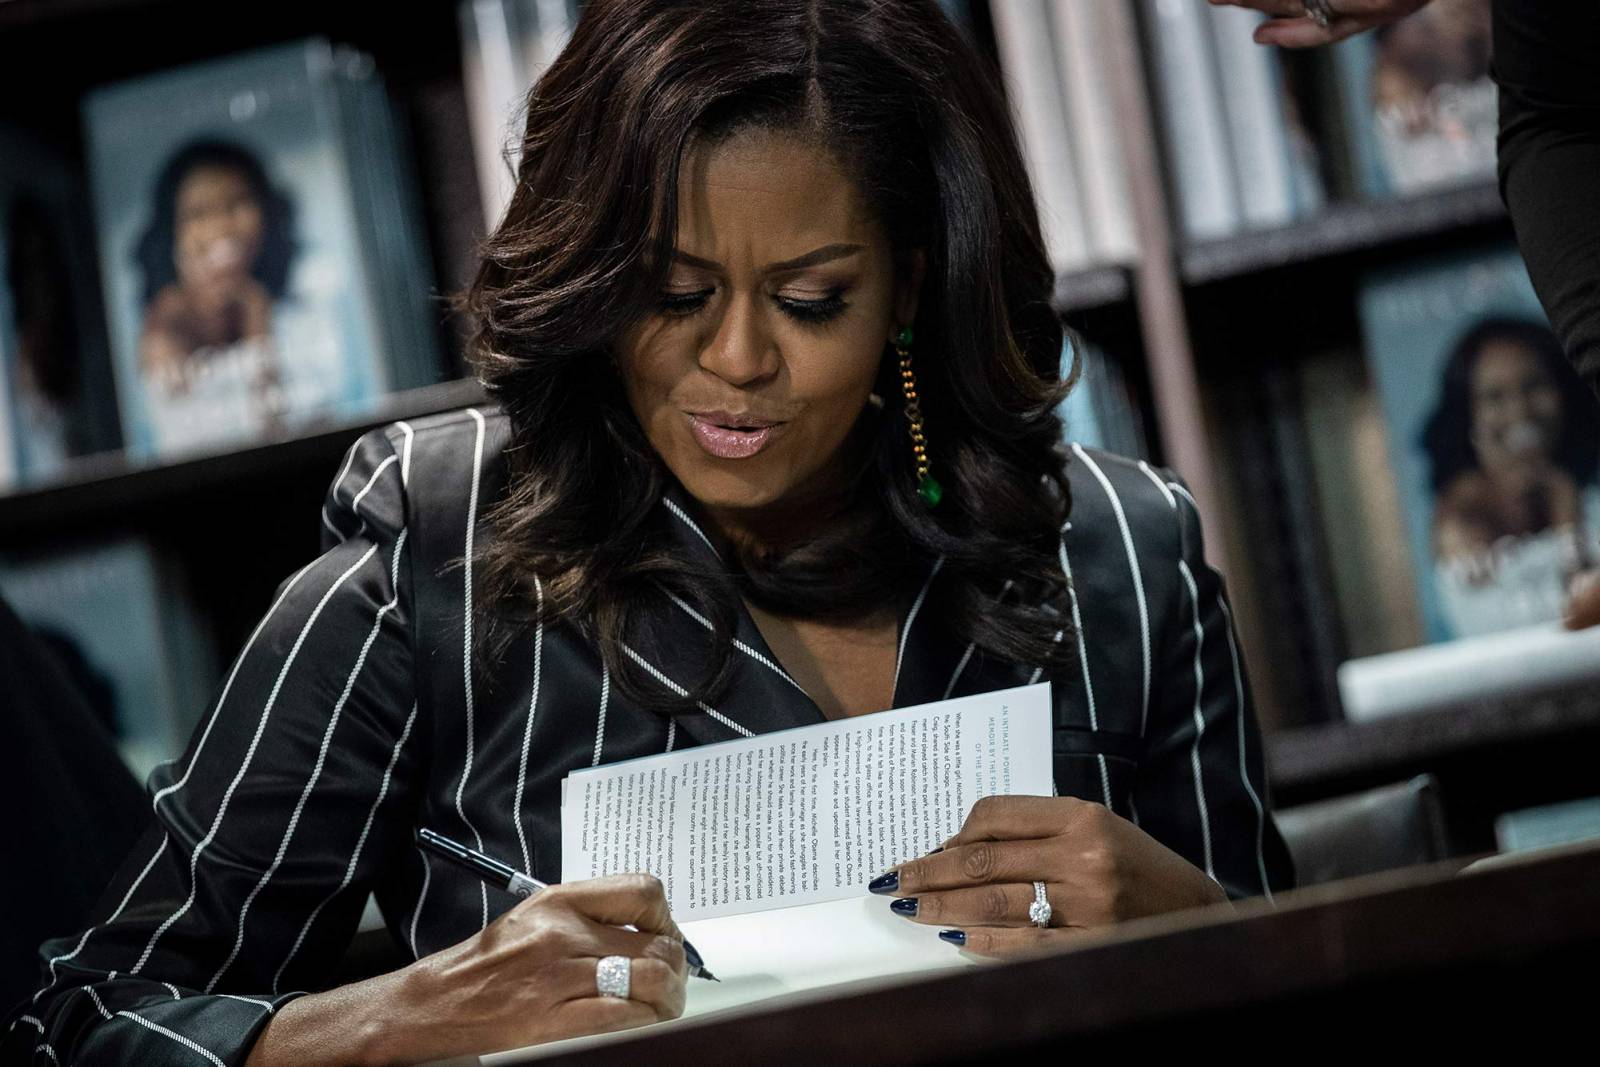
(1419, 107)
(116, 616)
(55, 375)
(1493, 439)
(251, 213)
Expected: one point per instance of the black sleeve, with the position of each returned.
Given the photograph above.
(268, 832)
(1546, 58)
(1201, 788)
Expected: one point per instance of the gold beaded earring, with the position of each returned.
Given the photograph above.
(928, 487)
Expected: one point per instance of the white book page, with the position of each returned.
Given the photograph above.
(805, 815)
(788, 828)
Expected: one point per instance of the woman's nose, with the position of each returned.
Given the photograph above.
(741, 351)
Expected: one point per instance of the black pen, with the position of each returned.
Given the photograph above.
(516, 883)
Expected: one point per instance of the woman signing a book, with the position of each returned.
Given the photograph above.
(769, 334)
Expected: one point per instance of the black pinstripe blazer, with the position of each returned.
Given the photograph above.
(353, 714)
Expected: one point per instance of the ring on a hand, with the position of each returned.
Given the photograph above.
(1039, 910)
(1319, 11)
(611, 976)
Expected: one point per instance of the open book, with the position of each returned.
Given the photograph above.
(766, 844)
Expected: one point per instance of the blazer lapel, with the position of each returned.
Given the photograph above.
(761, 696)
(931, 661)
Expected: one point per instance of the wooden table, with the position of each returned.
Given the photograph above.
(1426, 957)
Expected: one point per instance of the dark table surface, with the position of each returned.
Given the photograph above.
(1437, 955)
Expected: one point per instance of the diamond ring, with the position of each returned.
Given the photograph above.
(1319, 11)
(611, 976)
(1039, 910)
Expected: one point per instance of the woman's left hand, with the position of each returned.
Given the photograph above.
(1098, 868)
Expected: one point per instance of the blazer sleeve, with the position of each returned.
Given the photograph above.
(293, 792)
(1201, 788)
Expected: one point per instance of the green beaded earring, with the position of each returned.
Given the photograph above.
(928, 487)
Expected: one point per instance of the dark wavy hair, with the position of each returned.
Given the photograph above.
(1447, 435)
(154, 249)
(918, 121)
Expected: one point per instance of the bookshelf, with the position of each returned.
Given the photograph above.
(1203, 327)
(1490, 756)
(1345, 231)
(108, 488)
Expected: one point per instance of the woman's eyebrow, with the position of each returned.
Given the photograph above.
(821, 255)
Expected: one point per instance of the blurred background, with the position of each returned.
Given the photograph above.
(224, 244)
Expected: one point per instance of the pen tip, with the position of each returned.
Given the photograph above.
(707, 974)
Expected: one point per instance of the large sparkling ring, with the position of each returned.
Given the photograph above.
(1320, 11)
(1039, 910)
(611, 976)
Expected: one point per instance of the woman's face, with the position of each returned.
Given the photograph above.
(1516, 408)
(778, 306)
(219, 226)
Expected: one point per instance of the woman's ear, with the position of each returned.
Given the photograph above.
(909, 286)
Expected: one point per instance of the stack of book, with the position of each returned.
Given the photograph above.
(117, 616)
(1259, 137)
(1053, 59)
(56, 398)
(1458, 476)
(505, 46)
(262, 256)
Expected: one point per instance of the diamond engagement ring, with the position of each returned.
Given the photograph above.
(1319, 11)
(1039, 910)
(611, 976)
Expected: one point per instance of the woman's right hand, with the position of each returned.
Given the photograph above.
(529, 976)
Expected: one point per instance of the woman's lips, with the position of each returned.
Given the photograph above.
(725, 443)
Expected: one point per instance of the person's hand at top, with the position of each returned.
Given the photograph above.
(1292, 24)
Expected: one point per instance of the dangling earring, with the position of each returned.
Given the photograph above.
(927, 487)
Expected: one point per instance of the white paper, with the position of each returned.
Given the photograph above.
(805, 815)
(794, 825)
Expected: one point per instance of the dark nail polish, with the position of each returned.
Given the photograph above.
(906, 906)
(887, 882)
(955, 937)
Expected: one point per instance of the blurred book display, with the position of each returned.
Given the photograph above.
(1548, 825)
(1028, 64)
(1052, 62)
(1493, 440)
(1238, 152)
(263, 261)
(506, 45)
(1276, 161)
(1494, 446)
(1188, 104)
(117, 617)
(1100, 411)
(1417, 100)
(56, 397)
(1363, 523)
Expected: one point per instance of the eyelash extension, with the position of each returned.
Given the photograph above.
(808, 311)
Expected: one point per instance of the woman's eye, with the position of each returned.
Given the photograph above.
(683, 303)
(809, 311)
(814, 310)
